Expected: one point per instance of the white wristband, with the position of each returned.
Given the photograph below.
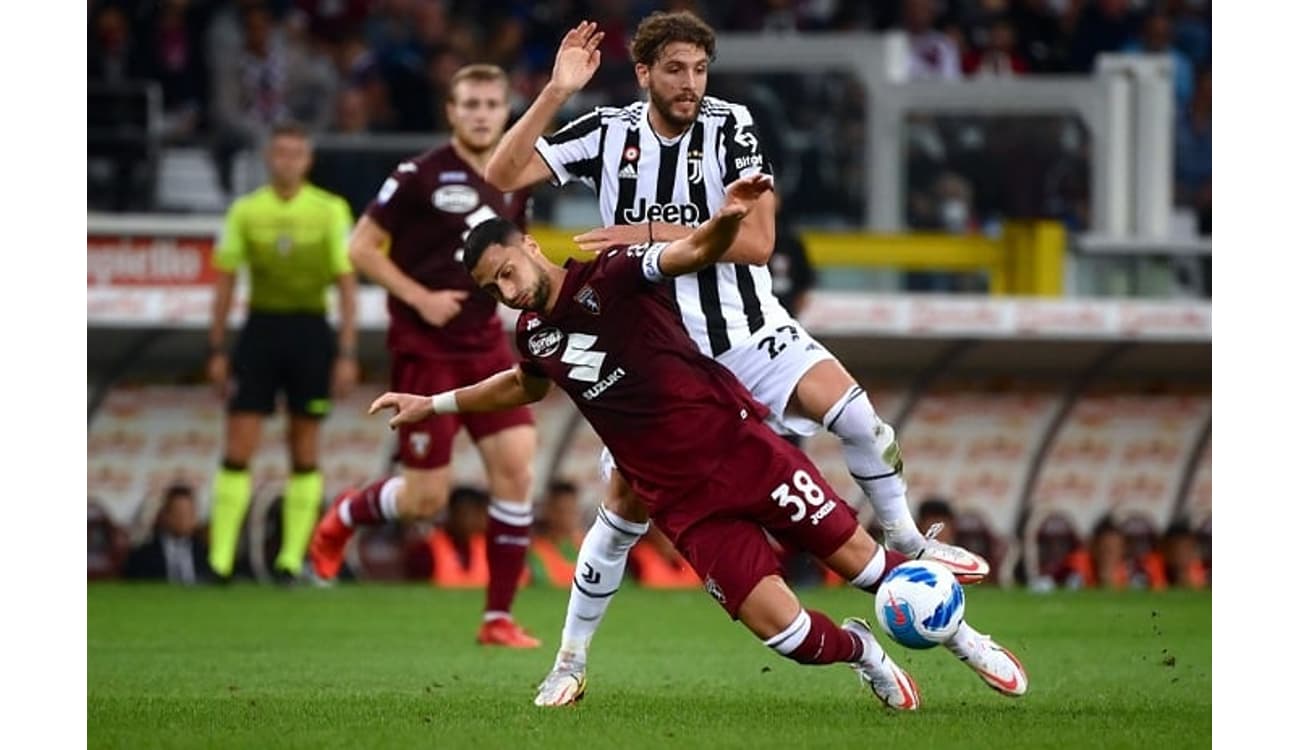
(444, 403)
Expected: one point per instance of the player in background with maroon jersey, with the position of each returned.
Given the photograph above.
(689, 438)
(444, 332)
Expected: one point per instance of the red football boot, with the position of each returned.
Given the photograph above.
(504, 631)
(330, 539)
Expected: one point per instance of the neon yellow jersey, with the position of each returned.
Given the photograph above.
(294, 249)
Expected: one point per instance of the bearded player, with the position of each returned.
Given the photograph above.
(659, 167)
(689, 438)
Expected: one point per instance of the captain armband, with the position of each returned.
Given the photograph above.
(650, 263)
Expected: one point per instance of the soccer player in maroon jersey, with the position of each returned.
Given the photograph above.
(689, 438)
(444, 332)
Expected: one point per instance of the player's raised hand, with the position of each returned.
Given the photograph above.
(439, 307)
(742, 194)
(409, 408)
(578, 57)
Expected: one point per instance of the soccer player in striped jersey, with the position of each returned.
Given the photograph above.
(690, 439)
(659, 168)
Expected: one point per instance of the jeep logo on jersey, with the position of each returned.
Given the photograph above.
(673, 213)
(545, 342)
(455, 199)
(586, 297)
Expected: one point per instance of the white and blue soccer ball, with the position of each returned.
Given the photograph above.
(920, 604)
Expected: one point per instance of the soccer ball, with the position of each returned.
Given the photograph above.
(920, 604)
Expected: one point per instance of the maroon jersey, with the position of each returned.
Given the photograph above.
(616, 345)
(429, 204)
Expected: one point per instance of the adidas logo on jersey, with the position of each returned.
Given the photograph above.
(628, 172)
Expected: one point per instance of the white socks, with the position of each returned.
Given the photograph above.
(388, 497)
(601, 562)
(785, 642)
(964, 642)
(871, 574)
(874, 460)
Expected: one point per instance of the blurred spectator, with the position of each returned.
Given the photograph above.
(172, 51)
(351, 114)
(557, 535)
(1041, 37)
(332, 20)
(442, 66)
(1192, 154)
(948, 206)
(933, 55)
(1055, 541)
(1115, 559)
(1103, 26)
(937, 510)
(106, 544)
(357, 70)
(1205, 547)
(111, 56)
(1181, 554)
(1100, 562)
(656, 564)
(776, 16)
(408, 58)
(274, 75)
(1157, 39)
(1191, 29)
(175, 552)
(1000, 57)
(459, 546)
(792, 275)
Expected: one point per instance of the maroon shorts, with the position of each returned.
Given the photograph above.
(765, 485)
(427, 444)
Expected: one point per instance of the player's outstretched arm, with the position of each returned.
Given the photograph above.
(711, 240)
(753, 244)
(515, 163)
(505, 390)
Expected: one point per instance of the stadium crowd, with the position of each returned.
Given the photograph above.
(168, 542)
(229, 69)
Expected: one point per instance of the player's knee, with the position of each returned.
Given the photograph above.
(625, 504)
(514, 479)
(423, 502)
(614, 535)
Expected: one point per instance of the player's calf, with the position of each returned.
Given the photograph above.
(812, 638)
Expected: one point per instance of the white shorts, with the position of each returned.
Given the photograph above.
(769, 364)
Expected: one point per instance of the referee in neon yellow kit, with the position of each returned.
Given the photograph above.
(293, 237)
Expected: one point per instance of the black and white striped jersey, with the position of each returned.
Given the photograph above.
(639, 176)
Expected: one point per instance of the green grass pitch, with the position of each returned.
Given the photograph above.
(361, 666)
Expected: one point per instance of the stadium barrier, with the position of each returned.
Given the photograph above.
(1018, 409)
